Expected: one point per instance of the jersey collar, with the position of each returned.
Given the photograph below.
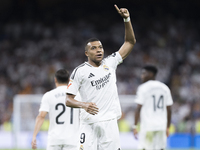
(91, 65)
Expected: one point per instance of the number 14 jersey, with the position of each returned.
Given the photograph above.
(154, 96)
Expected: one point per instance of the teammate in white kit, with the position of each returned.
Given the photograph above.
(154, 109)
(63, 131)
(96, 82)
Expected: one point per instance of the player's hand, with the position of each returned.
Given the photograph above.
(91, 108)
(34, 144)
(135, 133)
(123, 12)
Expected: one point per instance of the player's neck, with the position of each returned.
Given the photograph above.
(149, 80)
(60, 84)
(94, 64)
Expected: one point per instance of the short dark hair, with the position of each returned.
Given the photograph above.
(151, 68)
(62, 76)
(90, 40)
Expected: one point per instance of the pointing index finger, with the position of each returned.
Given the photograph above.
(117, 8)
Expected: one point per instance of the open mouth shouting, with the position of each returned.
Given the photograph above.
(99, 55)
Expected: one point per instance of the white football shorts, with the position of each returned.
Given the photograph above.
(100, 136)
(152, 140)
(62, 147)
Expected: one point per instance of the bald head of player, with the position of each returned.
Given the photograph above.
(94, 51)
(148, 73)
(61, 77)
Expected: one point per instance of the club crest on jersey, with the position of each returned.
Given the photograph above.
(81, 147)
(106, 68)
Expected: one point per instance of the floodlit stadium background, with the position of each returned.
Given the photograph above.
(38, 37)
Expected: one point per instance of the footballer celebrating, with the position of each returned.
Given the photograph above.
(96, 82)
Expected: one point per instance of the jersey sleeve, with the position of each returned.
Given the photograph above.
(74, 83)
(169, 98)
(139, 96)
(44, 106)
(114, 59)
(78, 97)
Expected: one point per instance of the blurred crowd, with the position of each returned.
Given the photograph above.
(32, 51)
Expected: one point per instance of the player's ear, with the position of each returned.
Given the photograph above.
(86, 53)
(55, 80)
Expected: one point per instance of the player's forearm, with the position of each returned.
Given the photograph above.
(137, 113)
(89, 107)
(71, 102)
(129, 42)
(129, 33)
(38, 123)
(168, 116)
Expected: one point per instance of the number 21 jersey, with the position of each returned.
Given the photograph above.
(64, 121)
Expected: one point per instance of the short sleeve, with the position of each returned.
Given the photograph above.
(169, 98)
(114, 60)
(74, 83)
(44, 106)
(139, 96)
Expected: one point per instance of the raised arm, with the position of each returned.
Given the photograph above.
(88, 106)
(129, 40)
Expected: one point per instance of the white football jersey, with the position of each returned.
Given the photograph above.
(154, 96)
(98, 85)
(64, 121)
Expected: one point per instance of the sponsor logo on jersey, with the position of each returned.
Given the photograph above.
(91, 75)
(81, 147)
(106, 68)
(100, 83)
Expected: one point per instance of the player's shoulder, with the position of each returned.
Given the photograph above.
(150, 84)
(141, 86)
(48, 93)
(113, 55)
(162, 84)
(83, 65)
(155, 83)
(81, 68)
